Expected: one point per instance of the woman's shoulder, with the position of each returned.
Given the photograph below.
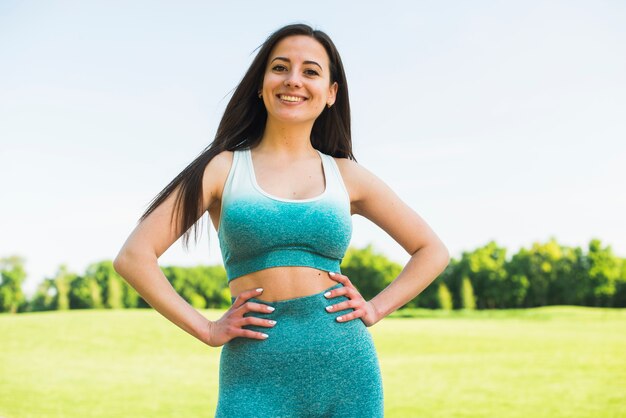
(220, 163)
(216, 172)
(355, 177)
(346, 166)
(222, 159)
(351, 169)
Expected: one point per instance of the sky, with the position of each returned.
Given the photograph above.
(493, 120)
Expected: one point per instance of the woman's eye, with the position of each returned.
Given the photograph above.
(311, 72)
(278, 67)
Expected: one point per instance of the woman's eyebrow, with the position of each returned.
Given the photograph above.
(289, 61)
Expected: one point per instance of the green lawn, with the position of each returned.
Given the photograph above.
(546, 362)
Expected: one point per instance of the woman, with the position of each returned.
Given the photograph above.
(280, 183)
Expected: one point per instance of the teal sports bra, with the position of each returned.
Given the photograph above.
(257, 230)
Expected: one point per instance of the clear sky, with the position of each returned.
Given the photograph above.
(493, 120)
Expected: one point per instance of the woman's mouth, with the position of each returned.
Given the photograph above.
(291, 99)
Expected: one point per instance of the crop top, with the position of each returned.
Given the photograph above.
(257, 230)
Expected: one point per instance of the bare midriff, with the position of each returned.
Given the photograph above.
(280, 283)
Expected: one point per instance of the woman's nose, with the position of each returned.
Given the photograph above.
(293, 80)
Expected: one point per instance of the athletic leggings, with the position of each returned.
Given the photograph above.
(311, 365)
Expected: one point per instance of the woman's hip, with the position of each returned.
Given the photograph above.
(309, 362)
(303, 326)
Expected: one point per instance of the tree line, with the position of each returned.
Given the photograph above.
(485, 278)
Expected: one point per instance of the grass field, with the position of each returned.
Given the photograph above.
(545, 362)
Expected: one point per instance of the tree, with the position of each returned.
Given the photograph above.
(63, 282)
(369, 271)
(570, 279)
(604, 271)
(619, 300)
(536, 268)
(12, 275)
(44, 298)
(201, 286)
(485, 268)
(80, 294)
(467, 294)
(444, 297)
(115, 292)
(429, 297)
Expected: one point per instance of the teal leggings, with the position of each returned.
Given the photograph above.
(310, 365)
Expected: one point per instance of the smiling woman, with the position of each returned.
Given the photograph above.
(280, 184)
(295, 86)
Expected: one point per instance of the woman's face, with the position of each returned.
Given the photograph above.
(296, 83)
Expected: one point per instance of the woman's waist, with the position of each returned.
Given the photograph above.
(282, 283)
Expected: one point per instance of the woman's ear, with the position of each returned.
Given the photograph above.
(332, 94)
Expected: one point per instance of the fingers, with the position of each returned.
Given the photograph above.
(348, 304)
(338, 276)
(255, 307)
(352, 315)
(235, 319)
(247, 333)
(355, 302)
(245, 295)
(341, 278)
(238, 331)
(340, 291)
(252, 320)
(242, 305)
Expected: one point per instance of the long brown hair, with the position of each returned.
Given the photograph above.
(243, 123)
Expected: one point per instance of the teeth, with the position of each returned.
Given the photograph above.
(291, 98)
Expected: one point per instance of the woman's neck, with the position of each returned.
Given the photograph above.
(292, 140)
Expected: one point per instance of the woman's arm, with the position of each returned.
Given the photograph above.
(373, 199)
(137, 260)
(141, 270)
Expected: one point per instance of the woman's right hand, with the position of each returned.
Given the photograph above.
(230, 325)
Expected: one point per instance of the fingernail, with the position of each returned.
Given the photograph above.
(331, 273)
(338, 318)
(260, 289)
(270, 308)
(271, 321)
(327, 294)
(329, 308)
(264, 335)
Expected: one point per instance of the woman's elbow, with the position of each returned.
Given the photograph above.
(121, 261)
(118, 262)
(442, 255)
(445, 255)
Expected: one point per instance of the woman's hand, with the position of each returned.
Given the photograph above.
(230, 325)
(362, 309)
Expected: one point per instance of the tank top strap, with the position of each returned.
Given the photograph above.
(336, 186)
(238, 180)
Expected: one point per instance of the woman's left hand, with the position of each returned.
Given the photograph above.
(362, 309)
